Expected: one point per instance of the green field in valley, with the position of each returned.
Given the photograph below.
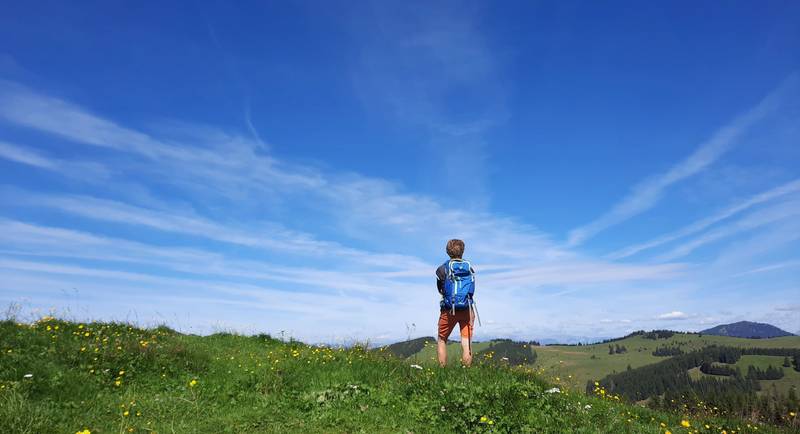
(790, 379)
(573, 366)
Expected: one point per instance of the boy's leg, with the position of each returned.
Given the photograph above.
(441, 351)
(447, 323)
(466, 351)
(466, 337)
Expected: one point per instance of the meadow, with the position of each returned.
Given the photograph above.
(65, 377)
(573, 366)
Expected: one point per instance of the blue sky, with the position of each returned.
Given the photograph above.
(297, 168)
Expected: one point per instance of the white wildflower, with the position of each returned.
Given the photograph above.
(587, 407)
(553, 390)
(505, 358)
(27, 376)
(416, 366)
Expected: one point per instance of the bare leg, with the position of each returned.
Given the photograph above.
(466, 354)
(466, 342)
(441, 351)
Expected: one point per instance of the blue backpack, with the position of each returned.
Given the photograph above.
(459, 285)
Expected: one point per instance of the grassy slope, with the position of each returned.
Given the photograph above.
(113, 378)
(577, 361)
(573, 365)
(791, 378)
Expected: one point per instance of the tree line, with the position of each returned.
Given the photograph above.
(617, 349)
(667, 384)
(666, 351)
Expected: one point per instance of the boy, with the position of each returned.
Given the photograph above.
(455, 280)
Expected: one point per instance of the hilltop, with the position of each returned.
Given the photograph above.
(58, 376)
(575, 365)
(747, 329)
(768, 368)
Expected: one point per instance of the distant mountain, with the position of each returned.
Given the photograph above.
(747, 329)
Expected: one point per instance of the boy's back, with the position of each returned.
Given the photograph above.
(455, 281)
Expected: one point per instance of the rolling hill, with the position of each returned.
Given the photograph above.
(60, 376)
(629, 360)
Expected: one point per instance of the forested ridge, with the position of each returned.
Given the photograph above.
(727, 389)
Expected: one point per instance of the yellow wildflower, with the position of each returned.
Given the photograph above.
(685, 424)
(193, 383)
(126, 413)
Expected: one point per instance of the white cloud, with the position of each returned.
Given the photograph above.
(74, 169)
(674, 315)
(772, 267)
(219, 260)
(646, 194)
(409, 70)
(789, 209)
(24, 156)
(788, 188)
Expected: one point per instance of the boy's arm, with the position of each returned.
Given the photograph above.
(472, 290)
(440, 275)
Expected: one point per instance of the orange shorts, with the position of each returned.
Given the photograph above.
(448, 321)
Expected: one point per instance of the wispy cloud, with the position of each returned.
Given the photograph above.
(83, 170)
(785, 189)
(410, 70)
(25, 156)
(388, 239)
(646, 194)
(772, 267)
(789, 209)
(232, 159)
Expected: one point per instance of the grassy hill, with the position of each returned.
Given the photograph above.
(63, 377)
(574, 366)
(591, 362)
(410, 347)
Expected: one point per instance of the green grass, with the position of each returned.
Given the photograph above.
(427, 355)
(112, 378)
(695, 374)
(573, 366)
(791, 378)
(563, 361)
